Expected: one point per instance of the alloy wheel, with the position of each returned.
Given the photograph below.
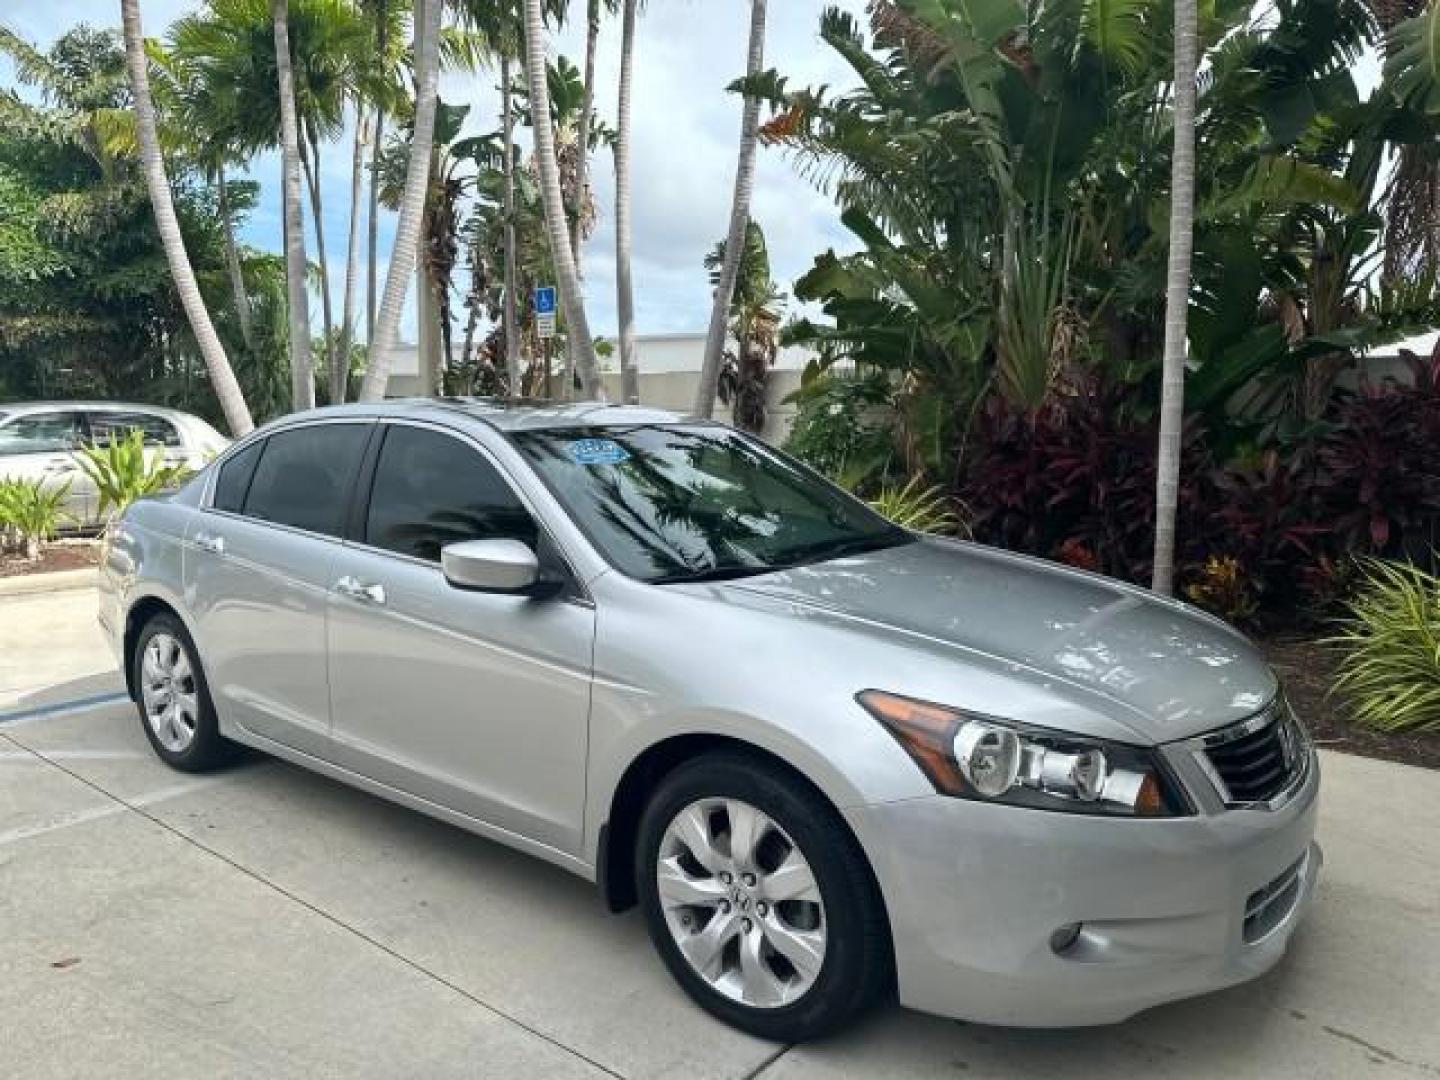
(741, 902)
(168, 692)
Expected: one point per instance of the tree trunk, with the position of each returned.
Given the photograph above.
(232, 266)
(508, 317)
(624, 287)
(302, 379)
(222, 378)
(372, 240)
(340, 358)
(577, 324)
(582, 147)
(739, 222)
(311, 163)
(1177, 297)
(412, 205)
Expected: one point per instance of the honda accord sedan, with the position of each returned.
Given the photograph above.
(832, 761)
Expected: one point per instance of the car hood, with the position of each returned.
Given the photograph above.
(1167, 671)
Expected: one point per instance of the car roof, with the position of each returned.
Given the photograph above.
(504, 414)
(16, 408)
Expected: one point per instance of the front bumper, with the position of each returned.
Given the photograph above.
(975, 891)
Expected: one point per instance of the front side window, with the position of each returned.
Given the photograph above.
(41, 433)
(112, 425)
(688, 503)
(304, 475)
(431, 490)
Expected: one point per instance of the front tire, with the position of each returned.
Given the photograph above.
(176, 711)
(758, 899)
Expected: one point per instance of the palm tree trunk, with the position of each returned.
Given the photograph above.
(372, 239)
(577, 324)
(340, 358)
(222, 378)
(232, 265)
(587, 121)
(412, 204)
(739, 221)
(1177, 297)
(302, 380)
(508, 316)
(624, 286)
(311, 162)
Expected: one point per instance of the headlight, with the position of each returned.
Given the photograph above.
(974, 756)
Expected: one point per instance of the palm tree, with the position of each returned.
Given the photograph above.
(567, 281)
(624, 286)
(302, 378)
(509, 318)
(222, 378)
(739, 219)
(1177, 296)
(587, 120)
(755, 325)
(412, 207)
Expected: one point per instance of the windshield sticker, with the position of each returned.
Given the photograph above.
(597, 452)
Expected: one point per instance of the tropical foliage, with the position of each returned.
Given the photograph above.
(917, 507)
(755, 307)
(125, 469)
(1004, 169)
(87, 305)
(30, 514)
(1390, 649)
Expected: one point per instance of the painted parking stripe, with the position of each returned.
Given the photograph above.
(174, 791)
(57, 708)
(74, 755)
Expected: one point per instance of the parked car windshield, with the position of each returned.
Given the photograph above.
(689, 503)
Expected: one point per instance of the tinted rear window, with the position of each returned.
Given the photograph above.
(304, 476)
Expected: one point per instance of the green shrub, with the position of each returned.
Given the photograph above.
(916, 506)
(1390, 669)
(125, 469)
(30, 514)
(843, 428)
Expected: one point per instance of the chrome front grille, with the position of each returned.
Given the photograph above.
(1257, 761)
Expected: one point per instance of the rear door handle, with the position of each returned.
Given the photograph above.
(367, 592)
(210, 542)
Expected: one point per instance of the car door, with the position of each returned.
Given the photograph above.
(258, 567)
(477, 701)
(42, 446)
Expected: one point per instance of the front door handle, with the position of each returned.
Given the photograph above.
(367, 592)
(210, 542)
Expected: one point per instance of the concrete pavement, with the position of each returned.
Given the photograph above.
(266, 921)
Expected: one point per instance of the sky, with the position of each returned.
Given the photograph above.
(685, 139)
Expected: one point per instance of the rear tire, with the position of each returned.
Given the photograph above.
(783, 935)
(173, 698)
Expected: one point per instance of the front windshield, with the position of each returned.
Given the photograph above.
(688, 503)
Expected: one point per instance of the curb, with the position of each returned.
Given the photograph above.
(55, 581)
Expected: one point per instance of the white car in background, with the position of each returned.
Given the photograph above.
(39, 441)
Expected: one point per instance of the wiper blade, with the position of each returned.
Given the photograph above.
(713, 573)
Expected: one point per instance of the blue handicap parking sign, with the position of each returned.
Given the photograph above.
(545, 300)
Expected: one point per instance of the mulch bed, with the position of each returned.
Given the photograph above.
(65, 555)
(1307, 669)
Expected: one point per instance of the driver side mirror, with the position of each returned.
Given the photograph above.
(493, 565)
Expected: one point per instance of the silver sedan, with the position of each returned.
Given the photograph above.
(832, 761)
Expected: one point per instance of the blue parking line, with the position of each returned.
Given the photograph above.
(73, 705)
